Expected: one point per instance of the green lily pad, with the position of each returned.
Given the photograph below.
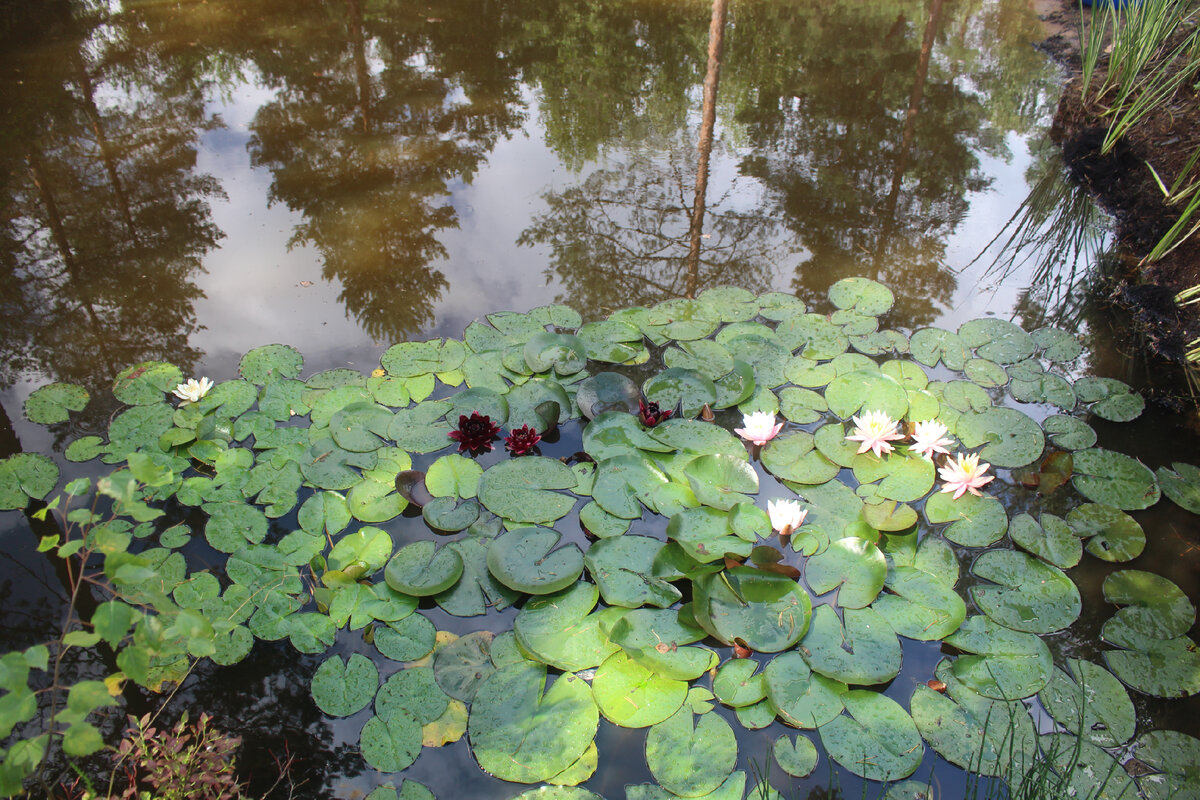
(414, 691)
(605, 392)
(560, 630)
(997, 340)
(85, 448)
(738, 684)
(683, 388)
(630, 695)
(766, 610)
(1044, 388)
(868, 390)
(409, 790)
(1112, 534)
(1087, 769)
(803, 698)
(1005, 665)
(411, 359)
(864, 652)
(611, 341)
(1158, 667)
(54, 402)
(601, 524)
(919, 605)
(705, 356)
(1152, 605)
(976, 521)
(834, 510)
(406, 640)
(719, 480)
(476, 591)
(683, 319)
(621, 481)
(888, 515)
(478, 400)
(854, 564)
(24, 476)
(520, 489)
(1182, 485)
(795, 755)
(342, 688)
(691, 757)
(461, 666)
(1114, 479)
(1092, 702)
(1049, 538)
(813, 335)
(1057, 345)
(421, 429)
(145, 384)
(931, 345)
(863, 295)
(562, 352)
(520, 732)
(656, 638)
(360, 427)
(271, 363)
(623, 568)
(1031, 595)
(421, 569)
(766, 354)
(1176, 757)
(1011, 439)
(694, 436)
(706, 534)
(987, 374)
(391, 744)
(525, 560)
(802, 406)
(137, 428)
(878, 740)
(792, 457)
(446, 514)
(901, 478)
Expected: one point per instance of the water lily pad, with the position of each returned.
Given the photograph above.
(601, 524)
(737, 683)
(1031, 595)
(623, 568)
(719, 480)
(137, 428)
(85, 448)
(360, 427)
(683, 388)
(1005, 665)
(737, 386)
(342, 688)
(997, 339)
(271, 363)
(461, 665)
(1112, 399)
(863, 295)
(607, 391)
(780, 306)
(616, 433)
(476, 591)
(1091, 702)
(560, 629)
(888, 515)
(611, 341)
(1158, 667)
(706, 534)
(410, 359)
(391, 744)
(683, 319)
(1011, 439)
(564, 353)
(525, 560)
(621, 481)
(630, 695)
(792, 457)
(864, 652)
(854, 564)
(520, 489)
(1087, 769)
(795, 755)
(53, 402)
(813, 335)
(145, 384)
(901, 478)
(421, 429)
(919, 605)
(695, 436)
(766, 354)
(420, 569)
(833, 509)
(1112, 534)
(802, 406)
(446, 514)
(976, 521)
(407, 639)
(867, 390)
(414, 691)
(878, 740)
(691, 756)
(1044, 388)
(985, 373)
(24, 476)
(766, 610)
(804, 699)
(409, 790)
(931, 345)
(1152, 605)
(1057, 345)
(656, 638)
(1182, 486)
(1176, 757)
(1049, 538)
(522, 733)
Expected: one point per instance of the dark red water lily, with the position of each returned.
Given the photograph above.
(521, 440)
(650, 414)
(475, 434)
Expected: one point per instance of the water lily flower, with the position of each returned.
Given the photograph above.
(929, 438)
(786, 515)
(521, 440)
(193, 390)
(650, 414)
(475, 434)
(964, 474)
(875, 429)
(760, 427)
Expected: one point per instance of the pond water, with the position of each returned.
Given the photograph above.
(184, 181)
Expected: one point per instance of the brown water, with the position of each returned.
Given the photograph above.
(183, 181)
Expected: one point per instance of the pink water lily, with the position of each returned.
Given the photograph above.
(929, 438)
(786, 515)
(876, 430)
(760, 427)
(964, 474)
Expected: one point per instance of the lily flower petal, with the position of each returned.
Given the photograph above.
(876, 430)
(964, 474)
(760, 427)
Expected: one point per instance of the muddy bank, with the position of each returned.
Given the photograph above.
(1124, 186)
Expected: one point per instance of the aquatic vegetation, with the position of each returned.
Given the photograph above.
(649, 590)
(192, 390)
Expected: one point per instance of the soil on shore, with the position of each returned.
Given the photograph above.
(1125, 187)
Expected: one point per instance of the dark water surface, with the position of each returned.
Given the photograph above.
(183, 181)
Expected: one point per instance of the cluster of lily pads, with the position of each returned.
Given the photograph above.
(653, 585)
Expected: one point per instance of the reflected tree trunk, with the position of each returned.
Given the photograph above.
(362, 73)
(716, 39)
(903, 155)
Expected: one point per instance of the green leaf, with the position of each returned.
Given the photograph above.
(1158, 667)
(342, 688)
(145, 384)
(520, 489)
(691, 757)
(795, 755)
(852, 563)
(683, 388)
(868, 390)
(920, 606)
(558, 629)
(865, 651)
(82, 739)
(453, 476)
(630, 695)
(624, 569)
(360, 427)
(1032, 596)
(1010, 438)
(421, 429)
(1114, 479)
(656, 638)
(407, 639)
(524, 560)
(1182, 486)
(414, 691)
(877, 741)
(1152, 605)
(997, 340)
(421, 568)
(767, 610)
(391, 744)
(324, 514)
(231, 525)
(476, 591)
(1112, 534)
(84, 448)
(520, 733)
(54, 402)
(803, 698)
(1057, 345)
(719, 480)
(1006, 665)
(1049, 538)
(1176, 756)
(931, 345)
(977, 521)
(813, 335)
(1092, 702)
(705, 534)
(462, 665)
(24, 476)
(271, 363)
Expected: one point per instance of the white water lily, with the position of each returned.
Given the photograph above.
(963, 474)
(929, 438)
(786, 515)
(876, 430)
(759, 427)
(193, 390)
